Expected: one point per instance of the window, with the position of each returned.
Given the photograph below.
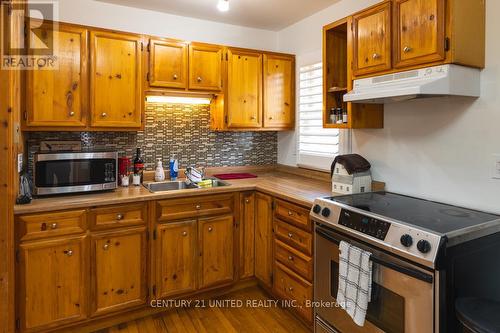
(317, 146)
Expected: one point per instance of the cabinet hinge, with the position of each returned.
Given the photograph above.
(17, 256)
(18, 323)
(154, 290)
(272, 278)
(25, 115)
(154, 234)
(9, 8)
(272, 205)
(142, 46)
(147, 77)
(227, 57)
(25, 30)
(147, 236)
(225, 119)
(447, 44)
(149, 47)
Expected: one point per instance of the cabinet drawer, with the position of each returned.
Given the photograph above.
(52, 224)
(118, 216)
(293, 259)
(177, 209)
(297, 238)
(289, 285)
(293, 214)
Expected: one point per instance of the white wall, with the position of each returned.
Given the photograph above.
(99, 14)
(439, 148)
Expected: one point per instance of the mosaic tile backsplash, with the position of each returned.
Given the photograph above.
(183, 130)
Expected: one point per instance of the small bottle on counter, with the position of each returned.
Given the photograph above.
(174, 168)
(159, 172)
(138, 166)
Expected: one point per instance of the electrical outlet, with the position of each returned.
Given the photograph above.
(19, 163)
(495, 166)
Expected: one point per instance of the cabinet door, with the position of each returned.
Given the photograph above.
(53, 282)
(216, 241)
(263, 238)
(115, 80)
(58, 96)
(168, 61)
(372, 40)
(247, 235)
(118, 270)
(176, 258)
(244, 90)
(279, 91)
(419, 31)
(205, 67)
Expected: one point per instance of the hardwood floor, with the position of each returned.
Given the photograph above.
(218, 319)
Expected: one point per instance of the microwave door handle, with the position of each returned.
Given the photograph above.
(398, 268)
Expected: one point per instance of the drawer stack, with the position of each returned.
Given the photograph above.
(293, 249)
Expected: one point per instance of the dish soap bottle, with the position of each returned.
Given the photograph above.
(174, 168)
(159, 172)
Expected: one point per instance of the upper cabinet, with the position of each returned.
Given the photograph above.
(168, 63)
(59, 97)
(419, 32)
(279, 85)
(372, 40)
(244, 91)
(115, 80)
(205, 67)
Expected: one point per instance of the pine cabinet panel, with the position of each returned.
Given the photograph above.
(205, 67)
(372, 40)
(168, 63)
(244, 91)
(216, 241)
(263, 238)
(59, 96)
(279, 96)
(247, 235)
(52, 282)
(115, 80)
(118, 270)
(176, 258)
(419, 30)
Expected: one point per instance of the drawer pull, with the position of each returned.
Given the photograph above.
(290, 258)
(175, 76)
(184, 233)
(375, 56)
(247, 201)
(105, 247)
(290, 235)
(210, 229)
(290, 213)
(407, 49)
(69, 253)
(119, 217)
(53, 226)
(290, 288)
(198, 207)
(72, 113)
(199, 79)
(104, 114)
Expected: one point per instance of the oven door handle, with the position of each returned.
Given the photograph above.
(398, 268)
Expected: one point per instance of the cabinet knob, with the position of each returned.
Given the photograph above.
(199, 79)
(198, 207)
(290, 258)
(119, 217)
(72, 113)
(290, 213)
(53, 226)
(247, 201)
(175, 77)
(184, 233)
(253, 118)
(407, 49)
(290, 235)
(105, 247)
(69, 253)
(290, 288)
(376, 56)
(104, 114)
(270, 118)
(210, 229)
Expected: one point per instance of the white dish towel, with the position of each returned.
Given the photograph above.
(355, 281)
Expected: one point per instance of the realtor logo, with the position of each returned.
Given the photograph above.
(28, 42)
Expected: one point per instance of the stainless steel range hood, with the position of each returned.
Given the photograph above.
(444, 80)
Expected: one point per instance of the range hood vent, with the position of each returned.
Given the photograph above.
(445, 80)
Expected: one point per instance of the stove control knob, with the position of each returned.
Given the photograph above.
(325, 212)
(406, 240)
(316, 209)
(423, 246)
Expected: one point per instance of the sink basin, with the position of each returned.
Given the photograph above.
(215, 183)
(169, 186)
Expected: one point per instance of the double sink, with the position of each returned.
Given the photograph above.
(166, 186)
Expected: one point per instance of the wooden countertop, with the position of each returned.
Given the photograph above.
(281, 183)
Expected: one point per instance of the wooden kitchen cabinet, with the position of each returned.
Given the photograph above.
(168, 63)
(264, 238)
(58, 96)
(419, 32)
(53, 282)
(372, 40)
(116, 80)
(205, 66)
(279, 87)
(176, 258)
(118, 270)
(247, 235)
(244, 91)
(216, 246)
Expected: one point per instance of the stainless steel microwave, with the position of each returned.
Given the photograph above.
(73, 172)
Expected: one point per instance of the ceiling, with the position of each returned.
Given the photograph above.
(263, 14)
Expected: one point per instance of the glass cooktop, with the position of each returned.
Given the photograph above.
(430, 215)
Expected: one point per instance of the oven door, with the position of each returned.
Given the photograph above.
(402, 294)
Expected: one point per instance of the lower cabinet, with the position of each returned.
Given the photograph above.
(176, 258)
(118, 270)
(264, 238)
(53, 280)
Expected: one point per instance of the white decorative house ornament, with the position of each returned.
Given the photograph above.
(345, 183)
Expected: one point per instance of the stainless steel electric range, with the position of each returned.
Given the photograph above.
(425, 255)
